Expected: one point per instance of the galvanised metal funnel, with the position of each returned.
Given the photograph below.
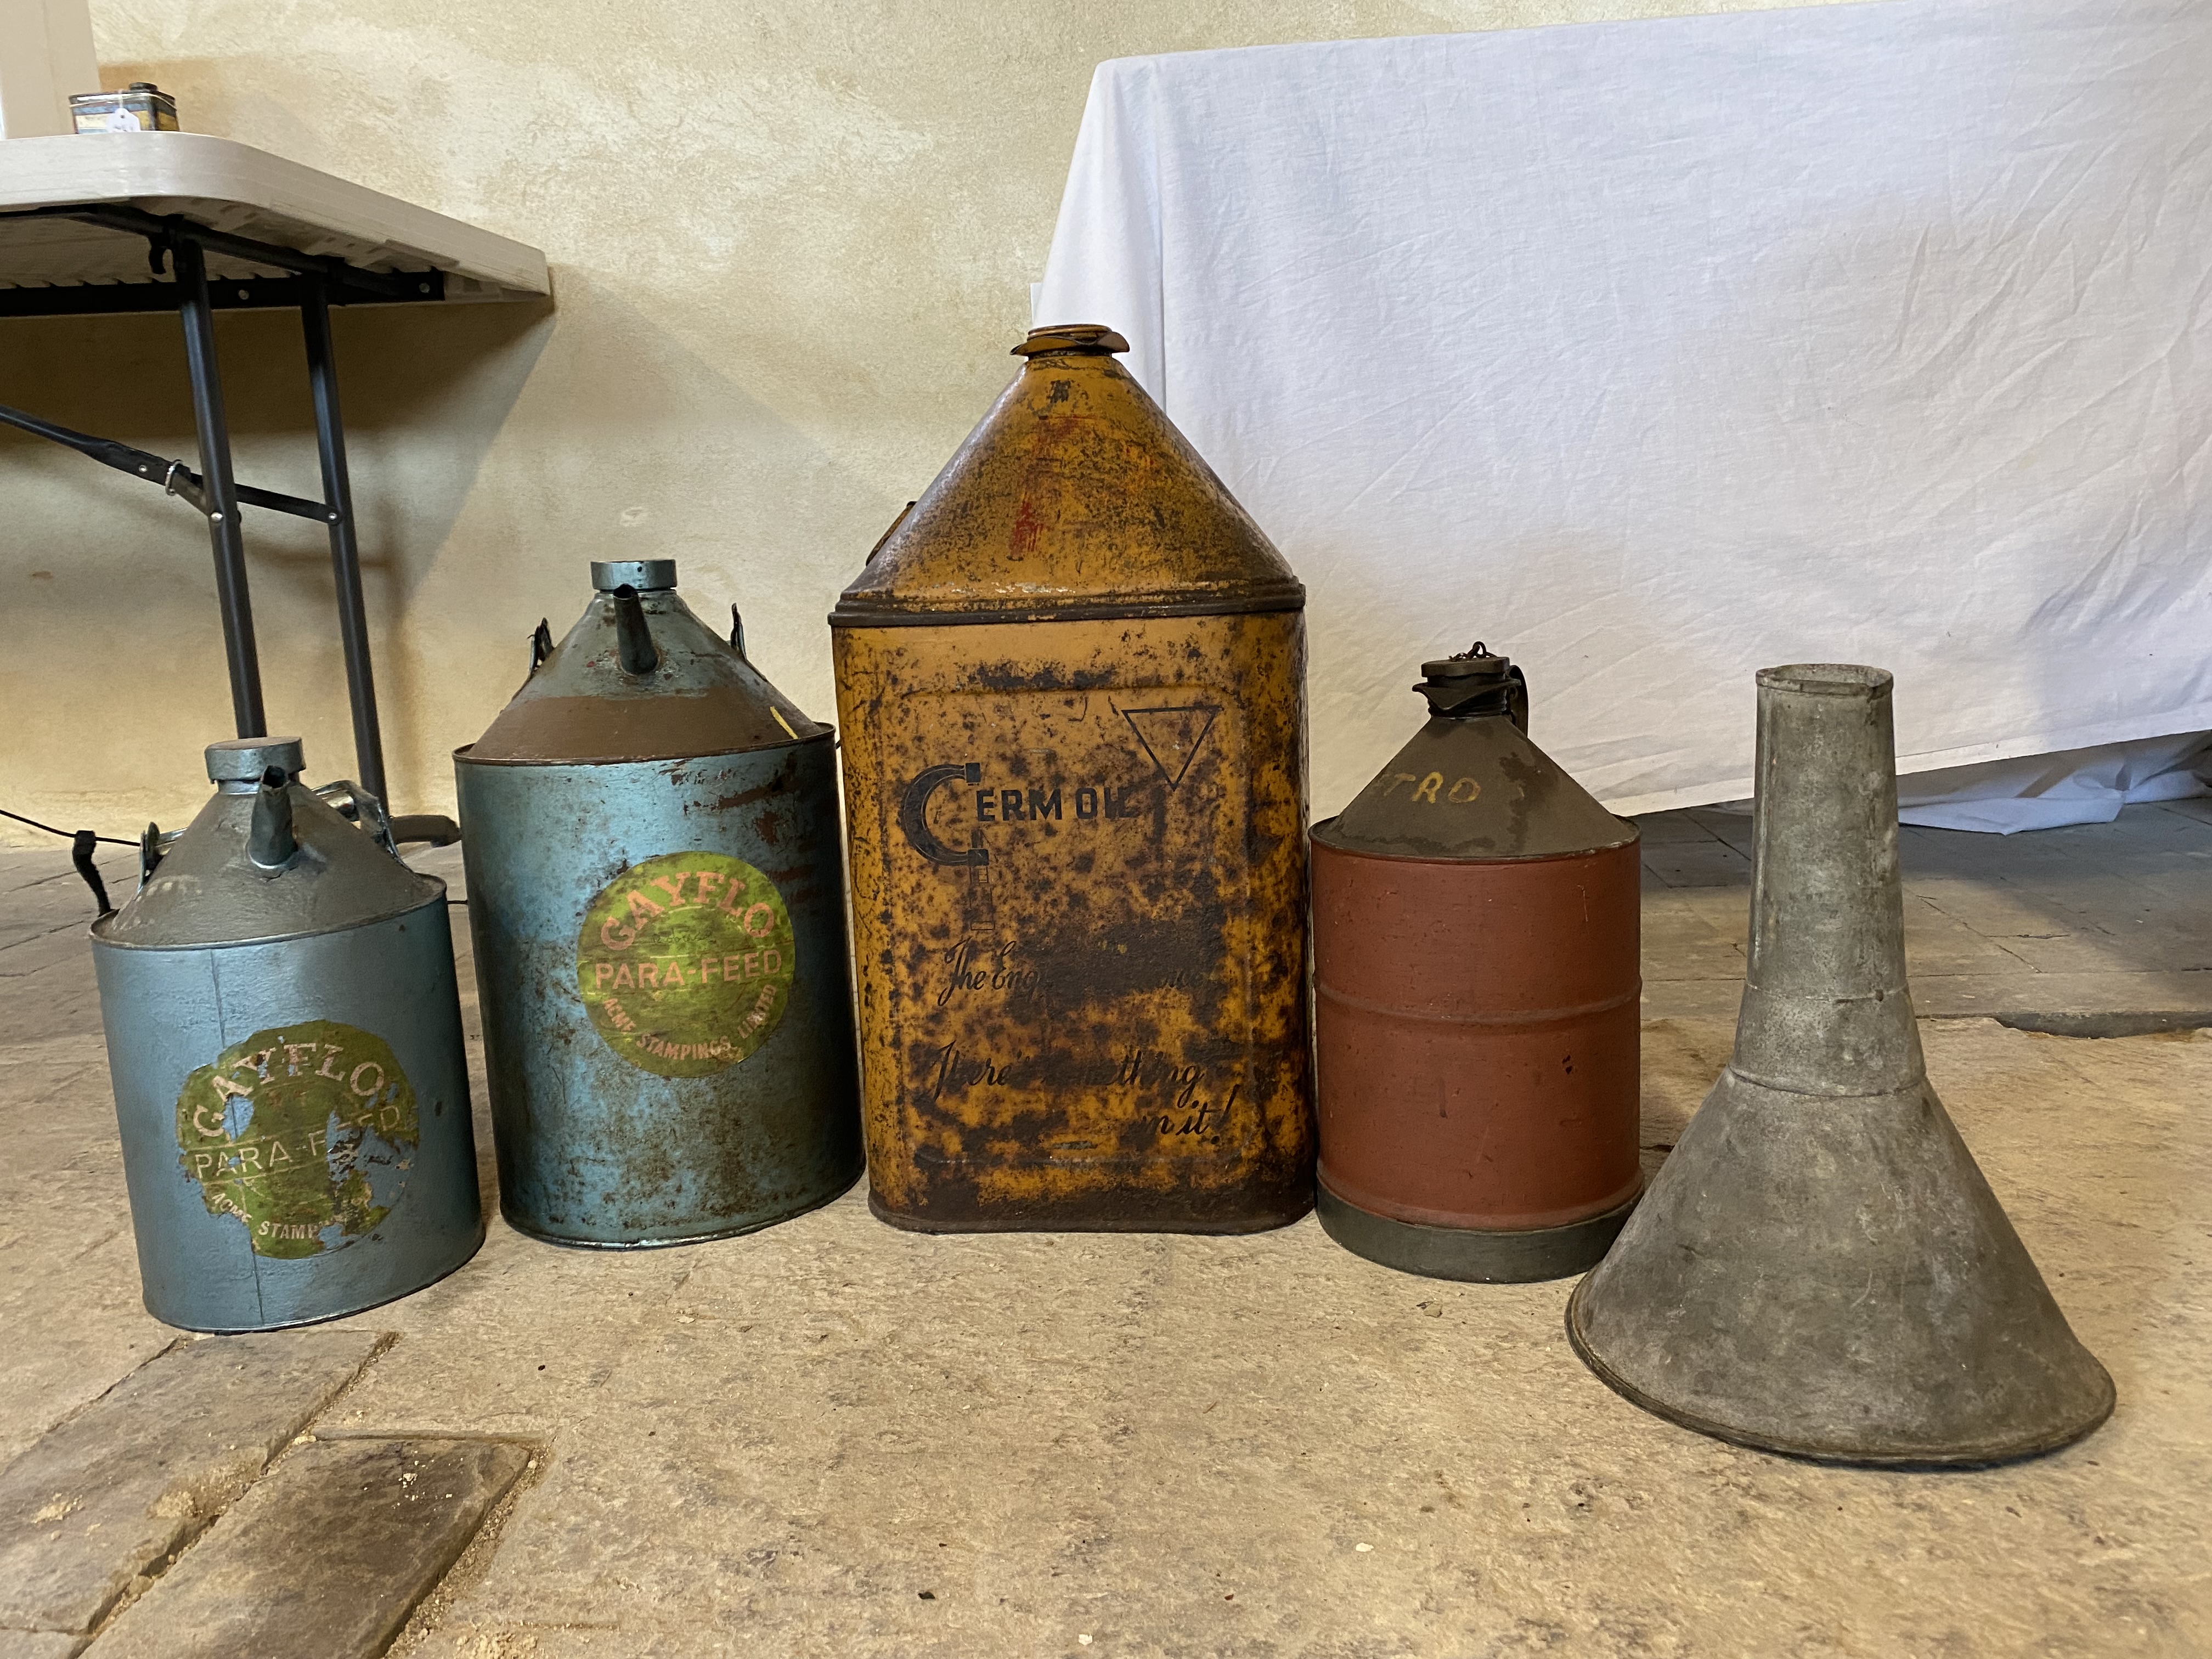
(1820, 1268)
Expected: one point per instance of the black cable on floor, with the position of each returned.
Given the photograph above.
(66, 835)
(80, 855)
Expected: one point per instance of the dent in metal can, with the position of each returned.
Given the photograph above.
(284, 1034)
(1477, 981)
(657, 906)
(1072, 681)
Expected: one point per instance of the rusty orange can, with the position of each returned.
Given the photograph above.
(1476, 936)
(1071, 681)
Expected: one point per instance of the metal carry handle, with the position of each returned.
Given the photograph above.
(355, 802)
(430, 829)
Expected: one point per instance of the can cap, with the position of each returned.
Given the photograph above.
(245, 760)
(1072, 336)
(644, 574)
(1474, 682)
(1475, 664)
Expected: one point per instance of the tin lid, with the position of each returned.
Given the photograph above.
(1076, 497)
(645, 575)
(640, 677)
(1470, 786)
(244, 760)
(208, 890)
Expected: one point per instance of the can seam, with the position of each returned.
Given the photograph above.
(1526, 1019)
(1462, 861)
(462, 756)
(436, 902)
(857, 616)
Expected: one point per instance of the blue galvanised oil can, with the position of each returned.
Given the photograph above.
(284, 1036)
(658, 903)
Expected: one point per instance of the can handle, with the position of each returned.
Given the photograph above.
(151, 847)
(1516, 700)
(364, 808)
(887, 534)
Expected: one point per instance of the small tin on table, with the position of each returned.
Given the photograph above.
(142, 106)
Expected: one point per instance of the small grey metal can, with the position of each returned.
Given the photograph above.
(284, 1037)
(142, 106)
(656, 892)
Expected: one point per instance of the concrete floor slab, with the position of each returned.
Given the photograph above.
(325, 1558)
(1177, 1446)
(108, 1496)
(38, 1644)
(835, 1438)
(2096, 916)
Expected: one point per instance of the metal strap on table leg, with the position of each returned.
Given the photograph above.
(220, 489)
(345, 549)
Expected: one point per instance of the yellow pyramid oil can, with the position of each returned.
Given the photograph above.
(1072, 681)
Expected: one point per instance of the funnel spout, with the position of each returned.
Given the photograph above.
(1824, 992)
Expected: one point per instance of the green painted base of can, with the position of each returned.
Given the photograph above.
(1475, 1254)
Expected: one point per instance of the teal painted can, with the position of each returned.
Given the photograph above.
(656, 894)
(284, 1038)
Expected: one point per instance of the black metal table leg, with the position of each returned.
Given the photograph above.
(220, 489)
(345, 547)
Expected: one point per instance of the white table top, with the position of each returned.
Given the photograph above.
(231, 187)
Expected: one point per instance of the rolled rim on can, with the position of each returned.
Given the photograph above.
(1471, 1254)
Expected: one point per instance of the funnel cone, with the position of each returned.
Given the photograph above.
(1820, 1268)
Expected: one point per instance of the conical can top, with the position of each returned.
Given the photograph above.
(1820, 1268)
(1502, 796)
(639, 677)
(1075, 497)
(267, 858)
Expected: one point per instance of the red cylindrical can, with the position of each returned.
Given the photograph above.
(1476, 938)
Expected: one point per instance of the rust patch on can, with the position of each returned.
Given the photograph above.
(1080, 918)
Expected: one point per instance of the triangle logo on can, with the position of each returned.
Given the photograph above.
(1172, 737)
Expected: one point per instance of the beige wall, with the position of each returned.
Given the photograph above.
(791, 244)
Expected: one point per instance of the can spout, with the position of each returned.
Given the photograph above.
(632, 638)
(1474, 682)
(270, 842)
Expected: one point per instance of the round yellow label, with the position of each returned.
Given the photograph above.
(305, 1133)
(685, 963)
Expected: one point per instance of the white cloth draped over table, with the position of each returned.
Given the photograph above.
(1653, 353)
